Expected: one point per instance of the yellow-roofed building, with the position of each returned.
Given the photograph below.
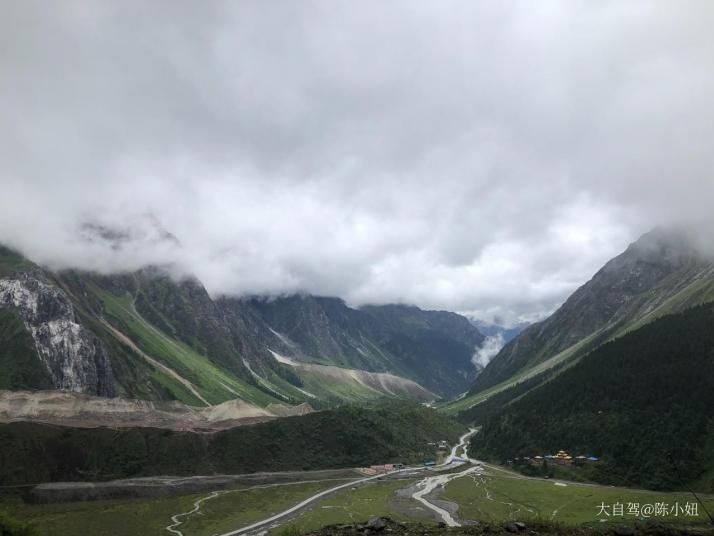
(563, 458)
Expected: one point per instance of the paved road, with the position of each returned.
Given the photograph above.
(303, 504)
(174, 527)
(265, 522)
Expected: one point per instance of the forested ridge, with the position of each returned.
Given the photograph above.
(344, 437)
(633, 401)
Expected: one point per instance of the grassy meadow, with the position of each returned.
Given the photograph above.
(501, 495)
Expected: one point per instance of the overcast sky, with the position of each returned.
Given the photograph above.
(485, 157)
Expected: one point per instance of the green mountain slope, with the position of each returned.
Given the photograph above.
(661, 273)
(20, 365)
(632, 401)
(343, 437)
(434, 348)
(209, 377)
(144, 335)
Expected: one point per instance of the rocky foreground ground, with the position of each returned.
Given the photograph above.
(385, 526)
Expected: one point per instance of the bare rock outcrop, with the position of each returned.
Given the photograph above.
(74, 356)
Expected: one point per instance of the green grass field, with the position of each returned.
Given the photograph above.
(501, 495)
(497, 496)
(349, 506)
(229, 510)
(232, 510)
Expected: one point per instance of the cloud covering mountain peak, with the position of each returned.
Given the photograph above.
(473, 157)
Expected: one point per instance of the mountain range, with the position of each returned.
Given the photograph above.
(146, 336)
(661, 273)
(621, 369)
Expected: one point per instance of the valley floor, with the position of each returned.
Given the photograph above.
(468, 493)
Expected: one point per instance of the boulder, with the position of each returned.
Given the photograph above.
(376, 524)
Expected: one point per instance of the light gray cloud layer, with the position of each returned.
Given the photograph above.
(488, 350)
(475, 156)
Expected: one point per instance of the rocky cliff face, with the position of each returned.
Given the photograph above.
(74, 357)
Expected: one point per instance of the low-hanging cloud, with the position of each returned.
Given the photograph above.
(488, 350)
(474, 156)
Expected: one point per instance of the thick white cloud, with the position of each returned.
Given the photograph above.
(477, 156)
(488, 350)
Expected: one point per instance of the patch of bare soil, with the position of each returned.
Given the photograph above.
(85, 411)
(383, 382)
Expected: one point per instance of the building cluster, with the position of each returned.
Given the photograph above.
(383, 468)
(560, 458)
(440, 445)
